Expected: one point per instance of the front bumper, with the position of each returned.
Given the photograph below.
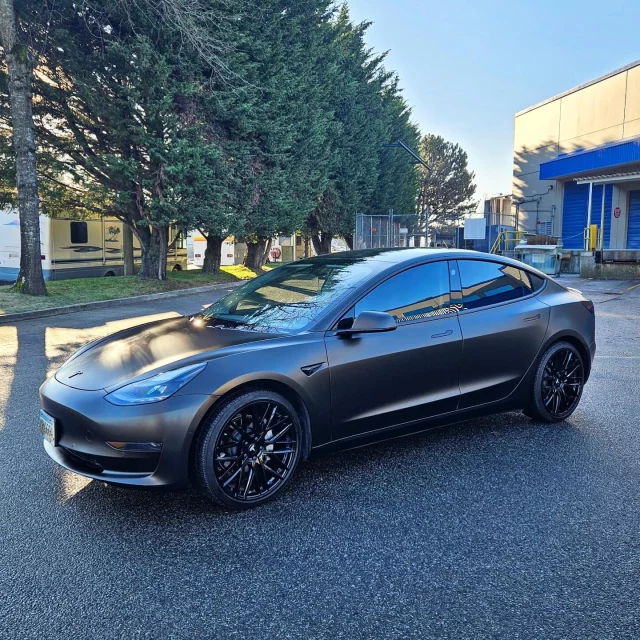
(86, 422)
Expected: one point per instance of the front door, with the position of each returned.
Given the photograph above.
(383, 379)
(503, 325)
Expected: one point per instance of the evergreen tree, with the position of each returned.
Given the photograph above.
(448, 189)
(286, 144)
(116, 96)
(365, 177)
(251, 119)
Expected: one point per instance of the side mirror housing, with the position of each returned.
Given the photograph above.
(370, 322)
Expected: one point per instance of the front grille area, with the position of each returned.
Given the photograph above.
(83, 461)
(146, 463)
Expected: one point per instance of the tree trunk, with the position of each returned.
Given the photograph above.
(153, 242)
(267, 249)
(322, 244)
(348, 238)
(30, 278)
(212, 255)
(127, 250)
(255, 257)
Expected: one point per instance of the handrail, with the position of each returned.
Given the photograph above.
(505, 238)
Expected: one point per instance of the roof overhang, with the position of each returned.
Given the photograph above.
(606, 157)
(609, 178)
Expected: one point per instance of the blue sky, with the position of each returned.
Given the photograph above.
(468, 67)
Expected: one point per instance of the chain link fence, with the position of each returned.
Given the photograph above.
(389, 230)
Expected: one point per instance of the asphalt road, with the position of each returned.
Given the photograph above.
(496, 528)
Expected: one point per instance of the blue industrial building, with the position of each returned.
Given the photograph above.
(577, 173)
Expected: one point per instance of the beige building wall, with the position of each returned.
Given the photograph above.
(605, 110)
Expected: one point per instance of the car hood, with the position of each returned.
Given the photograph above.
(132, 352)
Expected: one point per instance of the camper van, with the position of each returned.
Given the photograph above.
(76, 248)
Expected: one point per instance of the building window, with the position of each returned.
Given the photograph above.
(79, 233)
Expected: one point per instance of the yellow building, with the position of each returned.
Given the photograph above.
(569, 151)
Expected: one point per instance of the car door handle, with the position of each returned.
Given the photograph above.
(442, 335)
(532, 318)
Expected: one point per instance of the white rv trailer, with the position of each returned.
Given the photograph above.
(76, 248)
(199, 243)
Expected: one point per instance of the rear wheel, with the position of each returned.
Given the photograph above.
(558, 384)
(248, 449)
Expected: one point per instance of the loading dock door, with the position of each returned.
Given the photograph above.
(574, 214)
(576, 211)
(633, 228)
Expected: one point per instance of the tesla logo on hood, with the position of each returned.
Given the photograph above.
(73, 375)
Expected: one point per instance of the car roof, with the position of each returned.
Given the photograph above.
(384, 259)
(398, 255)
(393, 254)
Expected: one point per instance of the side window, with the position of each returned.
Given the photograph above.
(79, 234)
(415, 294)
(486, 283)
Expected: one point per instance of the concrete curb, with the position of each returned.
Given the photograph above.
(118, 302)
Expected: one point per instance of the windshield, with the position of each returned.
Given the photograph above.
(288, 298)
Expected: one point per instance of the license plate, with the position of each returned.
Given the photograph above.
(48, 427)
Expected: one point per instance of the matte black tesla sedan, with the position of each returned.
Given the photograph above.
(316, 355)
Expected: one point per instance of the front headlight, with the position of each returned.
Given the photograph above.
(155, 389)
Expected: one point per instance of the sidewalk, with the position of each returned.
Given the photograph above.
(10, 318)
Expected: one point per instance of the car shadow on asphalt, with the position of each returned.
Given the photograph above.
(390, 471)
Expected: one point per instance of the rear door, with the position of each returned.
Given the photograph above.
(384, 379)
(503, 325)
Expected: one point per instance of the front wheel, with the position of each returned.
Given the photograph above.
(558, 384)
(248, 449)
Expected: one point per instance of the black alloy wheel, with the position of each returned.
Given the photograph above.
(558, 383)
(249, 449)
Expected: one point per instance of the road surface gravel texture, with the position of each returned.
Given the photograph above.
(496, 528)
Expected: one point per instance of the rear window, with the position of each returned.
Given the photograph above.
(485, 283)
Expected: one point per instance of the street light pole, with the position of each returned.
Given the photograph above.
(401, 144)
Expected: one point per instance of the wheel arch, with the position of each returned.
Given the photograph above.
(576, 341)
(270, 384)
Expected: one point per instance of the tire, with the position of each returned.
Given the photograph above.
(176, 267)
(558, 384)
(109, 274)
(239, 466)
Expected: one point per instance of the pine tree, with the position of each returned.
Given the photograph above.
(448, 189)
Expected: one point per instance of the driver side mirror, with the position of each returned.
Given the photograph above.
(370, 322)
